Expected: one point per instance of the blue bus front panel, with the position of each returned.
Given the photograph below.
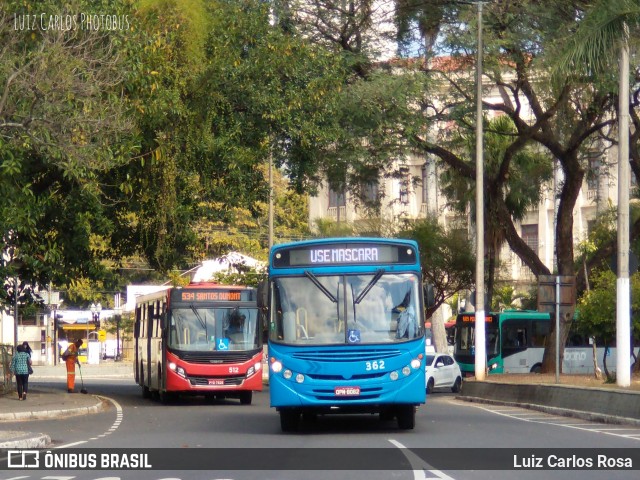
(347, 376)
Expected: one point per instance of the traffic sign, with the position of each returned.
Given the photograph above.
(102, 335)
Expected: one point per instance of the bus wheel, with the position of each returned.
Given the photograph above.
(245, 398)
(457, 385)
(166, 397)
(406, 417)
(146, 393)
(387, 415)
(289, 420)
(537, 368)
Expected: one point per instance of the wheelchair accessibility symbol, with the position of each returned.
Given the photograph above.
(353, 336)
(223, 344)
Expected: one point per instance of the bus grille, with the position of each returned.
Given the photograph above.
(346, 355)
(364, 376)
(215, 357)
(204, 381)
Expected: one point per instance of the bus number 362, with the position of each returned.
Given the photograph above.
(375, 365)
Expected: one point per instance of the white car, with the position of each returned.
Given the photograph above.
(442, 371)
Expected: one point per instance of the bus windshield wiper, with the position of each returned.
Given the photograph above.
(203, 323)
(373, 281)
(321, 287)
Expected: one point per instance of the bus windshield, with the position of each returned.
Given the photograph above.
(194, 328)
(353, 309)
(465, 339)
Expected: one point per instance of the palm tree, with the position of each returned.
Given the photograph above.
(603, 32)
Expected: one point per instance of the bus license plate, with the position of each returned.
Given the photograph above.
(216, 382)
(347, 391)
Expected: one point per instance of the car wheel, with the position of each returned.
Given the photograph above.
(430, 385)
(456, 385)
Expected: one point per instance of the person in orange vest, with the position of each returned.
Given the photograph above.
(70, 357)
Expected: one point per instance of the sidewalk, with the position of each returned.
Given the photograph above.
(51, 402)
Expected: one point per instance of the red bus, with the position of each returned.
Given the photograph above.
(202, 339)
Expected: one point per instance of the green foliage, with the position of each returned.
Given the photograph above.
(62, 126)
(597, 307)
(448, 262)
(505, 298)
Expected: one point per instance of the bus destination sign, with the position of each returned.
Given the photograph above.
(202, 296)
(341, 254)
(470, 318)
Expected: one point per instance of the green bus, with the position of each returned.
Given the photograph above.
(515, 342)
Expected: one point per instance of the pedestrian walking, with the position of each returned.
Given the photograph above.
(20, 364)
(70, 356)
(27, 348)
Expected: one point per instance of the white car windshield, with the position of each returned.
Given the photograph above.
(351, 309)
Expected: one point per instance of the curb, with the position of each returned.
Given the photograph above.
(602, 405)
(589, 416)
(26, 440)
(44, 414)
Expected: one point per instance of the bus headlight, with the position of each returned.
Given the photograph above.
(287, 374)
(415, 364)
(493, 366)
(276, 366)
(251, 371)
(299, 378)
(394, 375)
(406, 371)
(258, 366)
(179, 370)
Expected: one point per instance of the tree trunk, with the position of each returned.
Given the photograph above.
(438, 332)
(596, 370)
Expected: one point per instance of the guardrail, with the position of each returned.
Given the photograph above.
(6, 354)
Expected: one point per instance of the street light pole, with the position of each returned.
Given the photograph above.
(480, 346)
(623, 289)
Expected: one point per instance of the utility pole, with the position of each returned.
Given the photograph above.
(480, 346)
(623, 290)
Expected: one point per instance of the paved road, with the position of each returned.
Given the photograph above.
(444, 423)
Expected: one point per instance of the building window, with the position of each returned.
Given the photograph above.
(370, 192)
(336, 199)
(404, 185)
(594, 170)
(530, 236)
(425, 189)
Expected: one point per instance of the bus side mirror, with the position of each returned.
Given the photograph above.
(263, 295)
(429, 295)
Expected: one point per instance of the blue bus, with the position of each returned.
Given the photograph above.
(346, 329)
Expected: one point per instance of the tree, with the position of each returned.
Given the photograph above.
(447, 264)
(597, 310)
(566, 121)
(515, 191)
(62, 124)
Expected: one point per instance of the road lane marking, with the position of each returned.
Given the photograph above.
(420, 467)
(114, 426)
(558, 421)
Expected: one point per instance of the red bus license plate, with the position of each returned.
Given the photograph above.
(347, 391)
(216, 382)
